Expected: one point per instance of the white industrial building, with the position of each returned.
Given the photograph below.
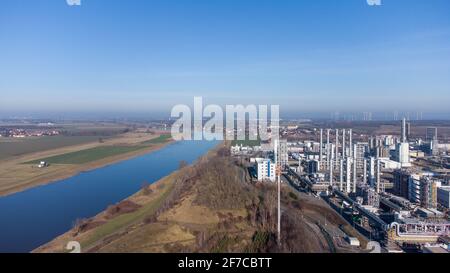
(265, 169)
(402, 148)
(390, 164)
(414, 188)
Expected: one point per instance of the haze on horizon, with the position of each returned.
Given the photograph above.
(137, 56)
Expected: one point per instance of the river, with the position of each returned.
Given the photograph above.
(33, 217)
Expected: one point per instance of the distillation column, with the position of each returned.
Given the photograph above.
(365, 172)
(320, 148)
(336, 154)
(355, 175)
(328, 149)
(350, 142)
(378, 175)
(348, 175)
(343, 144)
(341, 175)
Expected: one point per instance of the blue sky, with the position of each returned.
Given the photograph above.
(141, 55)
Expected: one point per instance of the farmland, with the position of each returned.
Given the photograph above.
(88, 155)
(15, 147)
(80, 147)
(246, 142)
(161, 139)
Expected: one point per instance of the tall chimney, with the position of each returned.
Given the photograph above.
(320, 147)
(348, 175)
(331, 173)
(378, 175)
(350, 144)
(365, 172)
(337, 143)
(341, 175)
(404, 130)
(343, 143)
(328, 149)
(355, 175)
(332, 156)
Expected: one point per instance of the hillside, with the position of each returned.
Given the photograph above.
(210, 207)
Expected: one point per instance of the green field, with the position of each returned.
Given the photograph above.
(246, 142)
(93, 154)
(15, 147)
(88, 155)
(160, 139)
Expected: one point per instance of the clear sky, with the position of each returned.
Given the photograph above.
(141, 55)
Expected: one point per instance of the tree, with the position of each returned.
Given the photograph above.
(182, 164)
(146, 188)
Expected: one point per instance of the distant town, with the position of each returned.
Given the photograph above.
(22, 133)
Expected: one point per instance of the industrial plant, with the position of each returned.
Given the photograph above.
(394, 188)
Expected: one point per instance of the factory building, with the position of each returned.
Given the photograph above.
(434, 146)
(431, 134)
(382, 151)
(428, 192)
(370, 196)
(414, 188)
(313, 166)
(443, 196)
(361, 149)
(401, 183)
(265, 170)
(417, 187)
(402, 148)
(402, 154)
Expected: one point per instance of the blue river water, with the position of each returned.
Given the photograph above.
(33, 217)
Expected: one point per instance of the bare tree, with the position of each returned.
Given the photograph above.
(146, 188)
(182, 164)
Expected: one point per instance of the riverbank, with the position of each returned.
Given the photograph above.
(132, 210)
(18, 174)
(36, 216)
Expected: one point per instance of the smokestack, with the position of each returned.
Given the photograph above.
(365, 172)
(328, 136)
(372, 173)
(355, 175)
(378, 175)
(343, 143)
(348, 174)
(341, 175)
(350, 142)
(404, 130)
(332, 156)
(331, 174)
(328, 149)
(337, 143)
(320, 147)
